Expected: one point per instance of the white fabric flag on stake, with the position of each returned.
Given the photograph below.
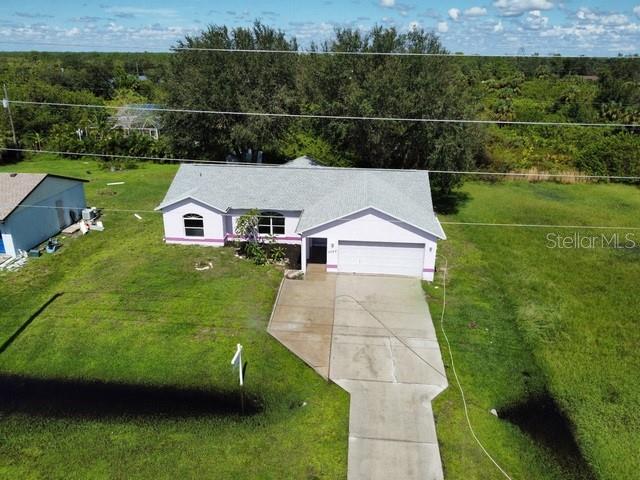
(237, 363)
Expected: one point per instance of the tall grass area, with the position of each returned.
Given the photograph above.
(135, 313)
(527, 321)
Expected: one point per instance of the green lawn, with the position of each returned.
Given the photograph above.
(525, 319)
(134, 312)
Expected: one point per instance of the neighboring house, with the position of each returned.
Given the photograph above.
(353, 220)
(36, 206)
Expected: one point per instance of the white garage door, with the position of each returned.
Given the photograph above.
(381, 258)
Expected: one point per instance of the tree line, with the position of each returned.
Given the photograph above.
(532, 88)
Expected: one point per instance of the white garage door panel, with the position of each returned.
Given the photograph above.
(381, 258)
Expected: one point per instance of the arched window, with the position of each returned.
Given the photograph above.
(193, 225)
(271, 223)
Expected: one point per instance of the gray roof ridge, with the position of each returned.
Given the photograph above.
(319, 168)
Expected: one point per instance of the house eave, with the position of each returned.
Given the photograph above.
(165, 205)
(371, 207)
(66, 178)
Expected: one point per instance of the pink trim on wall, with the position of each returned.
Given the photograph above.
(195, 240)
(332, 266)
(429, 270)
(231, 236)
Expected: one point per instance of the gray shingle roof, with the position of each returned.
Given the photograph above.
(14, 188)
(322, 194)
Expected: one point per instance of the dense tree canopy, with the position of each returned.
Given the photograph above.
(390, 87)
(242, 82)
(335, 85)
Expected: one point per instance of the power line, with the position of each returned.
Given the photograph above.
(284, 165)
(529, 225)
(133, 49)
(533, 174)
(7, 104)
(346, 220)
(329, 117)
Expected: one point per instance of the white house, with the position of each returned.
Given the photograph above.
(352, 220)
(34, 207)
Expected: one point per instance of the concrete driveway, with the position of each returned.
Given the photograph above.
(374, 337)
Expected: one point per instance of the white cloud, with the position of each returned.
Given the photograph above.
(443, 27)
(535, 20)
(515, 8)
(498, 27)
(608, 18)
(131, 12)
(614, 19)
(585, 13)
(414, 26)
(475, 12)
(636, 10)
(313, 31)
(456, 14)
(629, 28)
(402, 8)
(111, 35)
(579, 31)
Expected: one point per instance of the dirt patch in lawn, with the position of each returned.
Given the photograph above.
(95, 400)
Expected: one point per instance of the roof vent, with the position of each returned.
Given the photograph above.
(12, 175)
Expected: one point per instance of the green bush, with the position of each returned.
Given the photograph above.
(297, 143)
(106, 141)
(255, 252)
(617, 154)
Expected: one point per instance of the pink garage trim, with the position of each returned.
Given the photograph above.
(332, 266)
(195, 240)
(429, 270)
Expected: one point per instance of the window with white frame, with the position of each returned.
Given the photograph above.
(193, 225)
(271, 223)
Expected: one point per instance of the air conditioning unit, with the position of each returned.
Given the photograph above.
(88, 214)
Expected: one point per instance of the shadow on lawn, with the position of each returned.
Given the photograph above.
(95, 400)
(28, 322)
(541, 419)
(449, 204)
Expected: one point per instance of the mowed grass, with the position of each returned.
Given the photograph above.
(135, 312)
(525, 320)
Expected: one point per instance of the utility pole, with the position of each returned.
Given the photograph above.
(5, 104)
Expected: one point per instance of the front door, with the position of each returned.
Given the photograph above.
(318, 251)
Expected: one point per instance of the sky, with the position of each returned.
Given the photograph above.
(495, 27)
